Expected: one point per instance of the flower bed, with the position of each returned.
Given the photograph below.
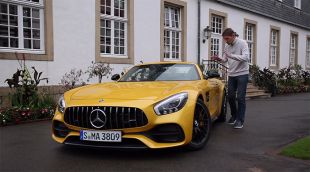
(28, 104)
(17, 115)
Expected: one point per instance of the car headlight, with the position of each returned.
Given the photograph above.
(61, 104)
(171, 104)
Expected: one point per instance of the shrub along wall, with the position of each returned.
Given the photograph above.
(43, 109)
(286, 80)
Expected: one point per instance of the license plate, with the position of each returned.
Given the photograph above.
(101, 136)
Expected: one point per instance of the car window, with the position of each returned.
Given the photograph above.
(162, 72)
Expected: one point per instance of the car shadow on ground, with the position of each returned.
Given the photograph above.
(115, 153)
(134, 154)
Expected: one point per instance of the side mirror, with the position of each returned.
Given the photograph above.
(213, 74)
(115, 77)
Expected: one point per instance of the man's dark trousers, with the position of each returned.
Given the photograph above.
(237, 84)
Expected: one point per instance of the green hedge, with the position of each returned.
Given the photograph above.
(286, 80)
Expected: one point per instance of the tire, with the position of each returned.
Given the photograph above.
(201, 132)
(222, 116)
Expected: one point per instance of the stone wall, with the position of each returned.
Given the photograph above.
(55, 91)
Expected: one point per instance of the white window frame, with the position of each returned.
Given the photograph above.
(172, 29)
(297, 4)
(249, 37)
(308, 53)
(217, 26)
(114, 19)
(293, 49)
(274, 47)
(215, 46)
(20, 4)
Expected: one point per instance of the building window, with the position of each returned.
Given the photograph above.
(274, 48)
(172, 33)
(293, 50)
(22, 26)
(308, 53)
(297, 4)
(217, 26)
(250, 37)
(113, 28)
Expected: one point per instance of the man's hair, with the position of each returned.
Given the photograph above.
(229, 32)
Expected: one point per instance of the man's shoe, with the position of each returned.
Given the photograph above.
(232, 121)
(238, 125)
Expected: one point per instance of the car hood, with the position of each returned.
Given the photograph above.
(131, 90)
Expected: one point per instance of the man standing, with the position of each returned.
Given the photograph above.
(236, 53)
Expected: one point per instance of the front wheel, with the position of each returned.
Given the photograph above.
(201, 127)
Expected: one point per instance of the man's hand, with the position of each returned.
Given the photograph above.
(227, 55)
(216, 58)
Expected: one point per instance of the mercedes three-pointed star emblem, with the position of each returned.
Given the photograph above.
(98, 118)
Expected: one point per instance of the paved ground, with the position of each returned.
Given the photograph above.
(270, 124)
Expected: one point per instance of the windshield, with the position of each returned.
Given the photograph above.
(161, 72)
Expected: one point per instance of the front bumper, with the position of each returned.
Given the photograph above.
(160, 132)
(164, 133)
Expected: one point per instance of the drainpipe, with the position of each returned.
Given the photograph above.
(199, 24)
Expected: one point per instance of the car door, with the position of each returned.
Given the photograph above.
(214, 98)
(210, 87)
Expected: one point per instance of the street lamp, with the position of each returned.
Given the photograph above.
(206, 33)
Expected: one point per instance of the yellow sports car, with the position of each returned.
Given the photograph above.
(156, 105)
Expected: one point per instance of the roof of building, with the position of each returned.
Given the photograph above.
(281, 11)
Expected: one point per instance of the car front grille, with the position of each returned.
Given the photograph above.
(116, 117)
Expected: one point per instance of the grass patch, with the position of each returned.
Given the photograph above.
(300, 149)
